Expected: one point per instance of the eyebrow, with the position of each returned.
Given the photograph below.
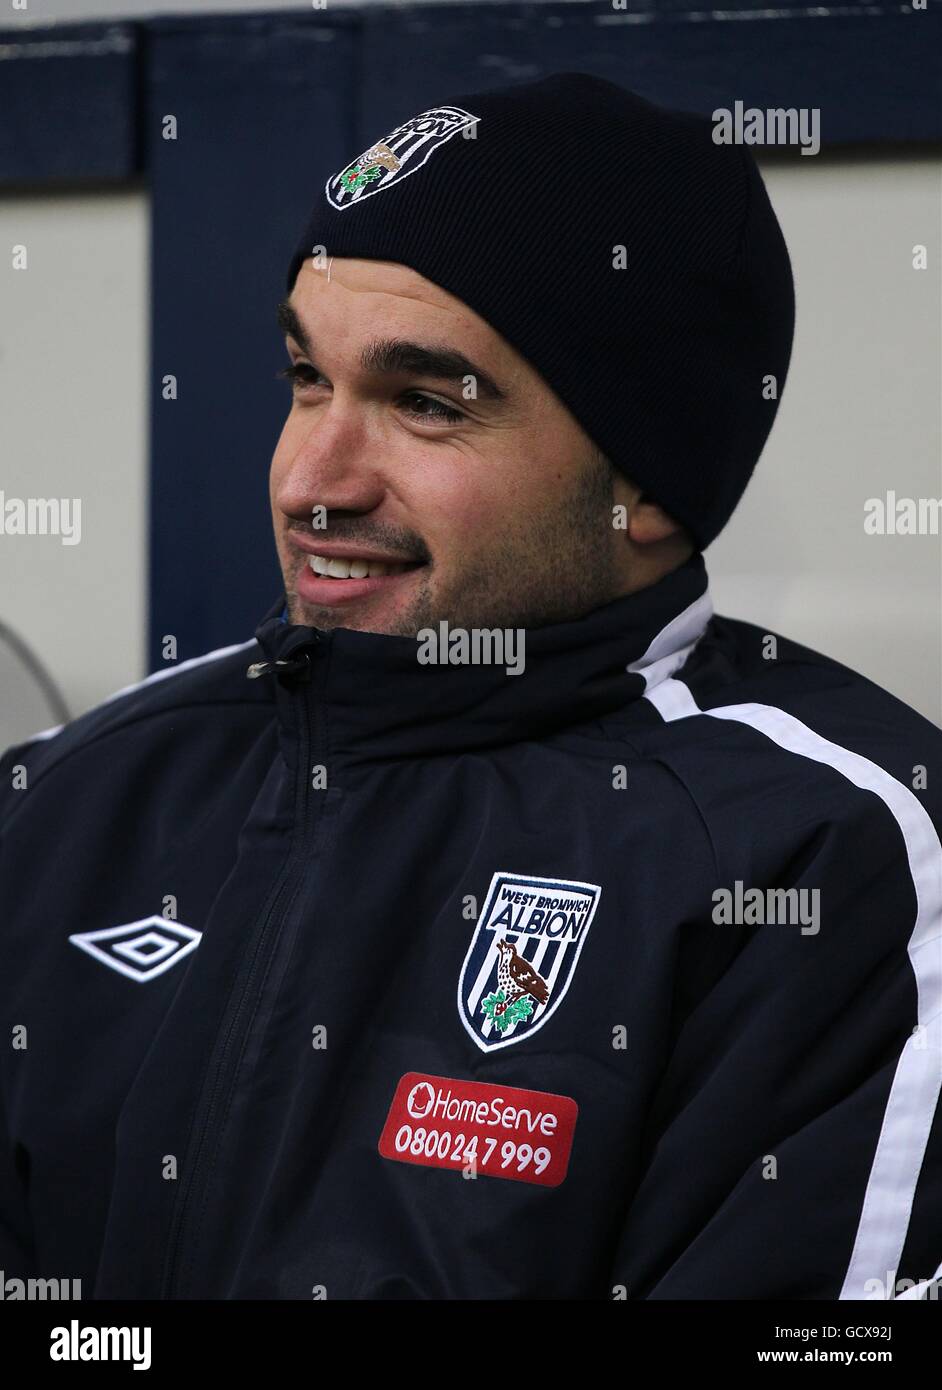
(396, 356)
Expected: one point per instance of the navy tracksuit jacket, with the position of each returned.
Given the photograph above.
(369, 979)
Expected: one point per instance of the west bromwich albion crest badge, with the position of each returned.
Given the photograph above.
(522, 955)
(400, 153)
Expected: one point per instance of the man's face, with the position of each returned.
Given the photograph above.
(451, 483)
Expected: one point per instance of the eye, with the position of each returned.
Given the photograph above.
(299, 374)
(438, 411)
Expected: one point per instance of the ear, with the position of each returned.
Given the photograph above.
(647, 521)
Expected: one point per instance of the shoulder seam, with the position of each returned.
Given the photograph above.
(675, 775)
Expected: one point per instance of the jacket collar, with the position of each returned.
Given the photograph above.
(377, 701)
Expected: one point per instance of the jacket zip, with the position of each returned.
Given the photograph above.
(213, 1106)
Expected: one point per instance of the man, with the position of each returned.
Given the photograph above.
(500, 922)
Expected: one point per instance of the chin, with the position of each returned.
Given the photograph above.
(328, 619)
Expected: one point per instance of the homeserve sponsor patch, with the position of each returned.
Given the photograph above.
(474, 1128)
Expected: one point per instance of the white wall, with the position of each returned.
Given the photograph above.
(73, 401)
(860, 414)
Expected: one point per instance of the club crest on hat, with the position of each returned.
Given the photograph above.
(400, 153)
(523, 955)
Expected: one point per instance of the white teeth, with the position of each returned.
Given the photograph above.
(352, 569)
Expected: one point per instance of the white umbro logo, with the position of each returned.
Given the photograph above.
(140, 950)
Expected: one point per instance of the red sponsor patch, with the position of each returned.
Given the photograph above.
(497, 1131)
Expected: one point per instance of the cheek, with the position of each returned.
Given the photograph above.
(453, 504)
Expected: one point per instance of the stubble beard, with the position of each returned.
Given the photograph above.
(552, 566)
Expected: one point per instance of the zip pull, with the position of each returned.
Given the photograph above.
(299, 666)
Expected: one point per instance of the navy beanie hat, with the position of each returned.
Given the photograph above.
(636, 264)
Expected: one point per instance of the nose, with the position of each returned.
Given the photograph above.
(329, 461)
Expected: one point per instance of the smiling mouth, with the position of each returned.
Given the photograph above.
(334, 568)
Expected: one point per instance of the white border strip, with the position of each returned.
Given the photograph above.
(914, 1094)
(148, 680)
